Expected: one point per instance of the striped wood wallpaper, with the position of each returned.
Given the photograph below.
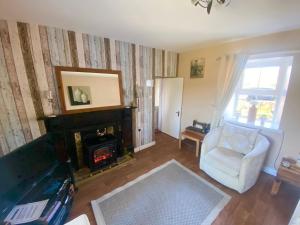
(28, 54)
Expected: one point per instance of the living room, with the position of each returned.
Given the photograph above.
(160, 112)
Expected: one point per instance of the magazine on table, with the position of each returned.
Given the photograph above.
(26, 213)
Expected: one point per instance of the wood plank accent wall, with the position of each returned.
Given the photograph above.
(28, 55)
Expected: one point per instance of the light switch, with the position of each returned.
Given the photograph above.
(149, 83)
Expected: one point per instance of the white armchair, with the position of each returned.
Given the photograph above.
(234, 156)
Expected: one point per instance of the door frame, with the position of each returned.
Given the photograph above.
(160, 103)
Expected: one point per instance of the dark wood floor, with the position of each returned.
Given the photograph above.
(256, 206)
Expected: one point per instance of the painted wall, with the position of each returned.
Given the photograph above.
(28, 55)
(200, 94)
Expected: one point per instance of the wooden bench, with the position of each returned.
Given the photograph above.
(194, 136)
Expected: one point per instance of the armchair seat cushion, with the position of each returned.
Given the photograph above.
(226, 160)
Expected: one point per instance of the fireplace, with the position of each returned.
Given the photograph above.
(100, 150)
(86, 131)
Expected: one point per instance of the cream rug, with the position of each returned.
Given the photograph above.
(170, 194)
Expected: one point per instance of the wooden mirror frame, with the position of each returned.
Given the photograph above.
(62, 97)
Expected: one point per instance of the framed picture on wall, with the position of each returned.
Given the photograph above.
(197, 68)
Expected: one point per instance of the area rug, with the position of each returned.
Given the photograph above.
(170, 194)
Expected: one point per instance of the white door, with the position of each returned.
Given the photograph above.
(170, 106)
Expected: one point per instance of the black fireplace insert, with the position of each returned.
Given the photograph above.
(99, 151)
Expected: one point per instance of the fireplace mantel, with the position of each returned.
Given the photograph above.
(64, 126)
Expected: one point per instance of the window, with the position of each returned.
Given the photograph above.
(259, 97)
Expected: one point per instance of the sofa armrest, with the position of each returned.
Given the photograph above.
(253, 162)
(211, 140)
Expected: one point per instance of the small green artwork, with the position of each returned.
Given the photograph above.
(197, 68)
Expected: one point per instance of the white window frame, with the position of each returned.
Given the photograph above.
(279, 93)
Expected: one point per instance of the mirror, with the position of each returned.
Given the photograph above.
(85, 90)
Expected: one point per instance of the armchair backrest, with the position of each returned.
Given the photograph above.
(238, 138)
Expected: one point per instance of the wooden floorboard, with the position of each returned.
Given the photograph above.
(255, 207)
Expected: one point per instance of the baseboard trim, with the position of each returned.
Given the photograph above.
(142, 147)
(270, 170)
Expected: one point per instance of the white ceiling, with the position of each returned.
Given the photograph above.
(170, 24)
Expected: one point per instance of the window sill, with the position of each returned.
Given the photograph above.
(252, 126)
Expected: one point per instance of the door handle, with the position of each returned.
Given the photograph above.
(178, 112)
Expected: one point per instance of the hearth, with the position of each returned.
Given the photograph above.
(100, 150)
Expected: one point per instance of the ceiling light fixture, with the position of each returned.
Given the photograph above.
(207, 4)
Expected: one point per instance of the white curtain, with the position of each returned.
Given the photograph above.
(230, 70)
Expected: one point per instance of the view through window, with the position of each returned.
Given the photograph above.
(259, 97)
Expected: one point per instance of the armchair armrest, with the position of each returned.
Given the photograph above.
(261, 147)
(210, 140)
(253, 162)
